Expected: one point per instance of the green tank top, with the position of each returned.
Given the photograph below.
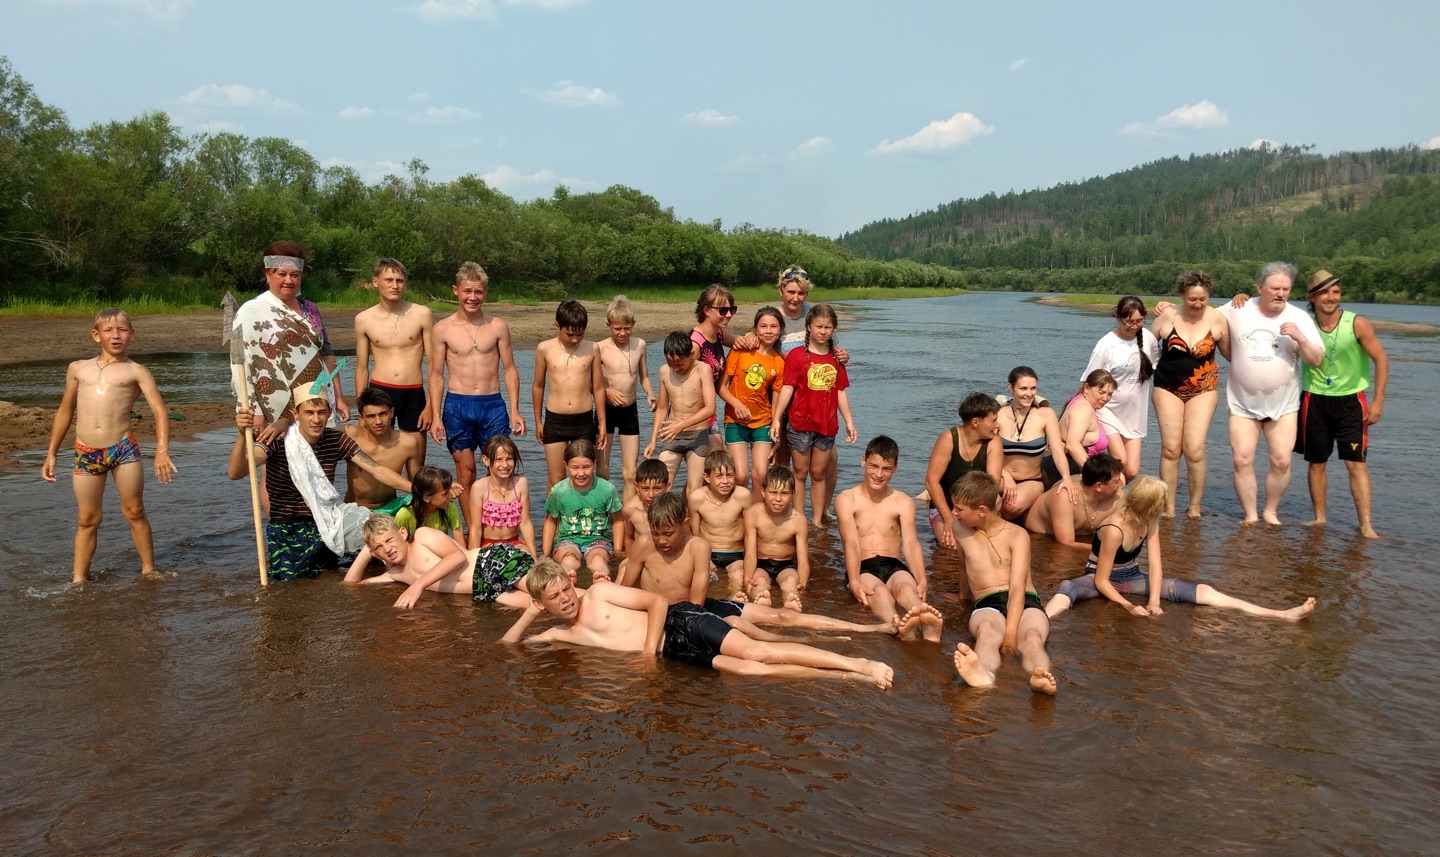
(1345, 369)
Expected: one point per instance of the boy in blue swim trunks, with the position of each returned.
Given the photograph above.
(777, 543)
(99, 393)
(620, 618)
(1008, 614)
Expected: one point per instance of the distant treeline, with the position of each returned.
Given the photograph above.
(1372, 216)
(86, 211)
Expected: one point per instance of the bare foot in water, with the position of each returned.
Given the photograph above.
(761, 597)
(1042, 681)
(1250, 520)
(1194, 512)
(967, 664)
(1272, 518)
(1295, 614)
(1318, 522)
(1369, 533)
(880, 673)
(792, 602)
(927, 619)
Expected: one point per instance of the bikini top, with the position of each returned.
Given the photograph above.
(1034, 446)
(500, 513)
(1123, 557)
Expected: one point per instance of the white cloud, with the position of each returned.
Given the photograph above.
(811, 148)
(510, 180)
(1020, 63)
(1190, 117)
(1432, 143)
(237, 95)
(1260, 144)
(357, 113)
(938, 136)
(568, 93)
(169, 11)
(709, 117)
(442, 11)
(445, 115)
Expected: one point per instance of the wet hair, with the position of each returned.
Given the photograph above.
(883, 446)
(571, 315)
(978, 406)
(667, 510)
(499, 442)
(719, 461)
(1100, 378)
(1099, 469)
(1020, 372)
(714, 295)
(822, 311)
(793, 274)
(580, 448)
(1129, 305)
(424, 483)
(1270, 269)
(374, 397)
(385, 263)
(1190, 279)
(652, 470)
(778, 477)
(470, 272)
(772, 312)
(619, 312)
(678, 344)
(1145, 499)
(544, 572)
(976, 489)
(110, 312)
(375, 526)
(288, 248)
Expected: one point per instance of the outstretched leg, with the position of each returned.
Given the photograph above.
(971, 671)
(737, 645)
(988, 626)
(1212, 597)
(1034, 631)
(762, 615)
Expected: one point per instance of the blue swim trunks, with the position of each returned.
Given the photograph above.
(470, 421)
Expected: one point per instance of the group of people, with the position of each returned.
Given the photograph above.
(1011, 469)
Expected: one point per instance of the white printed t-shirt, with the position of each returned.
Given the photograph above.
(1264, 379)
(1129, 410)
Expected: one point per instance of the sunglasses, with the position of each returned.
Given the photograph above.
(794, 274)
(724, 310)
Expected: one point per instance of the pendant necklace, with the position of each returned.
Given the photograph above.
(1019, 423)
(100, 385)
(1332, 342)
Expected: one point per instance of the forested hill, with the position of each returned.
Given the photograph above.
(1377, 211)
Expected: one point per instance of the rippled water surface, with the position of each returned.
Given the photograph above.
(201, 714)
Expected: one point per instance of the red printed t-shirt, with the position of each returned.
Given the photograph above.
(818, 380)
(753, 377)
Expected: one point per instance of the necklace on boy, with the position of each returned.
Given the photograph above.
(989, 540)
(474, 344)
(100, 385)
(1089, 515)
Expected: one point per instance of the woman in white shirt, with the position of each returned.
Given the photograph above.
(1129, 353)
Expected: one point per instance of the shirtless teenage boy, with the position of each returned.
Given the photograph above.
(431, 560)
(777, 542)
(651, 480)
(620, 618)
(877, 528)
(567, 366)
(623, 370)
(717, 513)
(376, 436)
(1008, 613)
(399, 333)
(682, 414)
(1101, 490)
(474, 347)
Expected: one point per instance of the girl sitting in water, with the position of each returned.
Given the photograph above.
(432, 504)
(500, 503)
(1028, 429)
(1113, 569)
(1080, 426)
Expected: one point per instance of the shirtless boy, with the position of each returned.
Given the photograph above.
(474, 347)
(622, 370)
(877, 528)
(376, 436)
(1008, 613)
(620, 618)
(568, 367)
(777, 543)
(674, 564)
(99, 394)
(431, 560)
(717, 513)
(1101, 490)
(682, 415)
(400, 335)
(651, 480)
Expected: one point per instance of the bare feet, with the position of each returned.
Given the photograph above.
(738, 595)
(1318, 522)
(1272, 518)
(1193, 512)
(1369, 533)
(761, 597)
(1042, 681)
(1250, 519)
(792, 602)
(927, 619)
(1295, 614)
(880, 673)
(967, 664)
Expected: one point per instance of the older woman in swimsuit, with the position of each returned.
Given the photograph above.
(1027, 430)
(1080, 424)
(1128, 353)
(1187, 380)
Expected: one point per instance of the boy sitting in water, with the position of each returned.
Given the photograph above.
(1008, 613)
(717, 512)
(609, 616)
(651, 480)
(431, 560)
(777, 546)
(877, 528)
(99, 394)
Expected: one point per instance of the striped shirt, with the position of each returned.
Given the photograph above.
(286, 504)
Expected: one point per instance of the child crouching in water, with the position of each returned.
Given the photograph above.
(580, 516)
(428, 559)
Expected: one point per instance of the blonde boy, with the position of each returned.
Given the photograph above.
(99, 394)
(622, 370)
(717, 513)
(567, 366)
(777, 547)
(429, 559)
(682, 416)
(400, 335)
(1008, 613)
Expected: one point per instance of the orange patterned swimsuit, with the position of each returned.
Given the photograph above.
(1187, 371)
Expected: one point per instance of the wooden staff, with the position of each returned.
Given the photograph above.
(238, 372)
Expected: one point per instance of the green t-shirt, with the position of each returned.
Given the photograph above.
(583, 518)
(446, 520)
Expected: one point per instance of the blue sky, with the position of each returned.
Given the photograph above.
(817, 115)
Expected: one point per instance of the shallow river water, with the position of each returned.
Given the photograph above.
(202, 714)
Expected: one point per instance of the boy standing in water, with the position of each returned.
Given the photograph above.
(99, 394)
(401, 336)
(687, 401)
(1008, 613)
(877, 528)
(717, 513)
(623, 371)
(568, 365)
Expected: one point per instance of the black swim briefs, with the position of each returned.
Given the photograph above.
(882, 567)
(692, 634)
(1000, 602)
